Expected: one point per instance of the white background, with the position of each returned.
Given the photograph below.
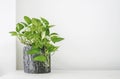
(91, 29)
(7, 42)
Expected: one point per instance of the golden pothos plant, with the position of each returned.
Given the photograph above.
(35, 32)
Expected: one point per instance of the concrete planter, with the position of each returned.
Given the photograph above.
(35, 67)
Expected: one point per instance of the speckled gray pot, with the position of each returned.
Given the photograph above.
(34, 67)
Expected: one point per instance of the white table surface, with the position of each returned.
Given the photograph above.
(66, 74)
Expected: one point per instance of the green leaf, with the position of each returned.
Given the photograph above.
(43, 28)
(43, 35)
(51, 48)
(45, 21)
(51, 26)
(26, 33)
(47, 32)
(56, 39)
(33, 51)
(52, 34)
(19, 27)
(20, 35)
(24, 24)
(40, 58)
(13, 33)
(27, 19)
(45, 41)
(40, 44)
(36, 22)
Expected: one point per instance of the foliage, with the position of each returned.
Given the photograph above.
(36, 33)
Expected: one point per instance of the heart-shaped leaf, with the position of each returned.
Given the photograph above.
(19, 27)
(33, 51)
(56, 39)
(27, 19)
(45, 21)
(40, 58)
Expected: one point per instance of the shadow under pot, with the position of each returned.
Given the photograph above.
(35, 67)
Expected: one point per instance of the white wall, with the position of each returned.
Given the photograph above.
(7, 43)
(91, 29)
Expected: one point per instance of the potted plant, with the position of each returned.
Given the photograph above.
(40, 43)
